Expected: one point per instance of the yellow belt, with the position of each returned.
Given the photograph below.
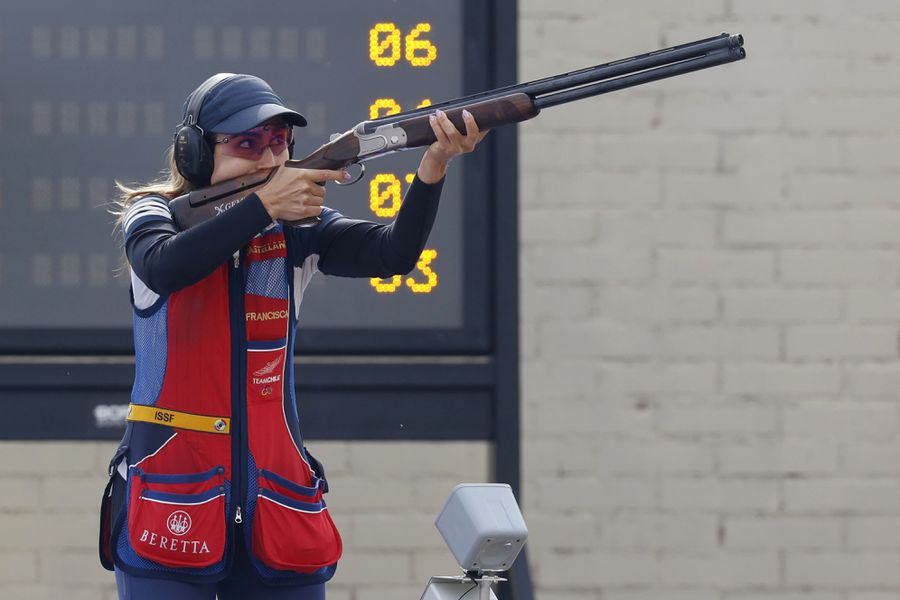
(181, 420)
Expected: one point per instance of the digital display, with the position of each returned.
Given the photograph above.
(93, 91)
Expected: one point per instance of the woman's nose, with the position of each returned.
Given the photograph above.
(268, 159)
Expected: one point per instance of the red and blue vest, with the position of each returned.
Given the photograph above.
(212, 448)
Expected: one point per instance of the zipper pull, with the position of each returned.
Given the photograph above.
(237, 516)
(237, 259)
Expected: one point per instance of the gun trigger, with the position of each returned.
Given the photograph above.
(362, 171)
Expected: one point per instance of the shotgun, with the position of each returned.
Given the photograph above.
(494, 108)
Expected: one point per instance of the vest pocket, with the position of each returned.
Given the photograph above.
(178, 520)
(292, 529)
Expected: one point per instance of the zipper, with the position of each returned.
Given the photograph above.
(239, 403)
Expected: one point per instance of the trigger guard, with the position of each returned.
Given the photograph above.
(362, 171)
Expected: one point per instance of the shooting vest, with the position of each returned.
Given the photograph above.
(212, 448)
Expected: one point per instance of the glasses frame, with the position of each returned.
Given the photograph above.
(228, 136)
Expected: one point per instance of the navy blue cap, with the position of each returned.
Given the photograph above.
(241, 102)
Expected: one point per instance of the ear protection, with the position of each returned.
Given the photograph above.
(193, 154)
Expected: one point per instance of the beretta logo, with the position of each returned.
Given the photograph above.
(179, 522)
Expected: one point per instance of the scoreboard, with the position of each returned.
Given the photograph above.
(92, 92)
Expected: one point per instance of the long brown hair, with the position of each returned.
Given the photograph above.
(170, 185)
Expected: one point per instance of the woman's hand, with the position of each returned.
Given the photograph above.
(294, 194)
(450, 144)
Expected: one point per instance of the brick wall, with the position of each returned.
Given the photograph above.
(711, 306)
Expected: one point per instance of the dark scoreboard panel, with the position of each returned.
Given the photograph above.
(93, 90)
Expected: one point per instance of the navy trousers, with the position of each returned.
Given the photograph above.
(242, 583)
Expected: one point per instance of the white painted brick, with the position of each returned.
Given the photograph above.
(563, 532)
(728, 342)
(873, 305)
(64, 568)
(375, 568)
(601, 569)
(592, 189)
(452, 459)
(834, 267)
(731, 495)
(771, 532)
(386, 592)
(874, 379)
(855, 495)
(558, 226)
(394, 532)
(795, 379)
(858, 342)
(578, 37)
(875, 8)
(56, 458)
(874, 227)
(430, 495)
(809, 8)
(834, 190)
(724, 191)
(629, 531)
(738, 113)
(864, 421)
(434, 562)
(585, 493)
(861, 458)
(657, 304)
(540, 151)
(548, 380)
(626, 458)
(49, 530)
(18, 567)
(368, 494)
(569, 304)
(670, 377)
(45, 591)
(720, 569)
(658, 227)
(589, 417)
(842, 569)
(852, 595)
(768, 306)
(841, 114)
(723, 267)
(561, 456)
(334, 455)
(20, 493)
(783, 229)
(630, 111)
(784, 152)
(813, 594)
(779, 457)
(663, 592)
(869, 533)
(595, 339)
(64, 493)
(668, 150)
(731, 417)
(553, 265)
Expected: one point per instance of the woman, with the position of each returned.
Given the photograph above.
(212, 491)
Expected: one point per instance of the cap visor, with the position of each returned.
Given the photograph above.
(256, 115)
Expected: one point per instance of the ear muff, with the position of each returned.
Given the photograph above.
(193, 154)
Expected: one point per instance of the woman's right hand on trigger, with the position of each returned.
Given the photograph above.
(294, 194)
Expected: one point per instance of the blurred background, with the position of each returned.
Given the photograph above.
(709, 297)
